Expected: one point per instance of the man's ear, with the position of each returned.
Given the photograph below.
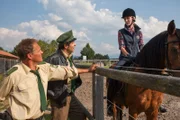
(29, 56)
(66, 46)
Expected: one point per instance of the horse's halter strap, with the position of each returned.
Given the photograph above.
(168, 65)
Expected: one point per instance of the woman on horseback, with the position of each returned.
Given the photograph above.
(130, 37)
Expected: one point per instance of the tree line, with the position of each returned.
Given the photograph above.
(49, 48)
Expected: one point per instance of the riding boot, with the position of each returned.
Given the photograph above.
(162, 109)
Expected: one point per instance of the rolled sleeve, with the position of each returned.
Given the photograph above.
(120, 40)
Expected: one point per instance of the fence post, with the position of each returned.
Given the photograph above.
(98, 101)
(93, 94)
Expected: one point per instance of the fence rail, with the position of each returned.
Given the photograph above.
(165, 84)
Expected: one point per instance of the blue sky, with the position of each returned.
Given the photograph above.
(92, 21)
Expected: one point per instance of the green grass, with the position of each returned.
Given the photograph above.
(85, 63)
(107, 65)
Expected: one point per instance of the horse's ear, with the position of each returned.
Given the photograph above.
(171, 28)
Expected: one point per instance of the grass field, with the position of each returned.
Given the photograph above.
(88, 64)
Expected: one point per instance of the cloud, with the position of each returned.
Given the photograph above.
(151, 27)
(41, 29)
(44, 2)
(84, 12)
(54, 17)
(98, 27)
(107, 48)
(64, 25)
(10, 38)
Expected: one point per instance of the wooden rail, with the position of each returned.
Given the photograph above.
(165, 84)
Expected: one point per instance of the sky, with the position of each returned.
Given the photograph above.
(93, 21)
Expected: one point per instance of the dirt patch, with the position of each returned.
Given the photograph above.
(84, 93)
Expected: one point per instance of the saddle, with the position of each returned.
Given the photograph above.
(118, 89)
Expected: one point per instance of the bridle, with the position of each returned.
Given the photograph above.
(167, 62)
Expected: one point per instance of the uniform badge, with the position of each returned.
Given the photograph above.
(11, 71)
(54, 66)
(137, 37)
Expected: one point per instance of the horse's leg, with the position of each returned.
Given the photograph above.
(114, 111)
(152, 114)
(133, 114)
(120, 113)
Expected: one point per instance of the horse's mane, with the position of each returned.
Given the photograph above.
(178, 32)
(153, 53)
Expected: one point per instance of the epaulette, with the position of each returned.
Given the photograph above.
(42, 63)
(54, 66)
(11, 70)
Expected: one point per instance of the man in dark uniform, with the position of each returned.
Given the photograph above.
(63, 101)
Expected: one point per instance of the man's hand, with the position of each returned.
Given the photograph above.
(93, 67)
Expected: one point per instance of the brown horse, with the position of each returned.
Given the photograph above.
(162, 51)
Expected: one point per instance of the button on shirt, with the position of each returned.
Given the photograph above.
(21, 88)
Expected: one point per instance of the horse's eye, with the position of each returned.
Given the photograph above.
(174, 52)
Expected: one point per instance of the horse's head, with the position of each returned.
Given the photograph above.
(162, 51)
(173, 47)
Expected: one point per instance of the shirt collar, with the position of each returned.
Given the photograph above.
(26, 68)
(66, 55)
(136, 28)
(129, 29)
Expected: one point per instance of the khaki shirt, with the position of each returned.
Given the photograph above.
(21, 88)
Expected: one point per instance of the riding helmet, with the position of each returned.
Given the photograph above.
(128, 12)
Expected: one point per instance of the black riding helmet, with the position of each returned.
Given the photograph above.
(128, 12)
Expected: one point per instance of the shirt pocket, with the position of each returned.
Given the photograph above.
(27, 92)
(25, 86)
